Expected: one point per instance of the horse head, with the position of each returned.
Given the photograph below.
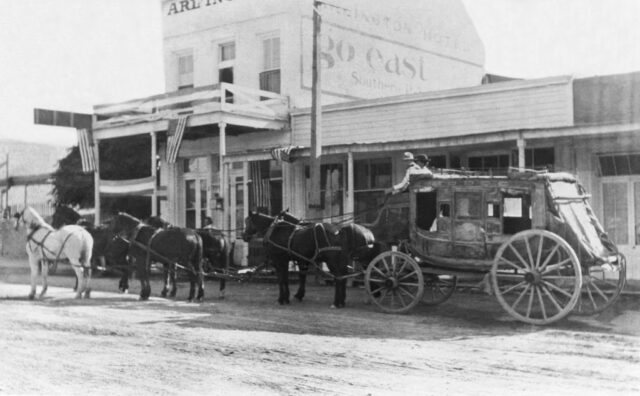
(123, 224)
(157, 222)
(64, 215)
(256, 223)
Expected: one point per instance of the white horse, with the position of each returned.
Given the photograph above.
(44, 244)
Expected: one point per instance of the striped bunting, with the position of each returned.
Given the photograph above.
(85, 144)
(142, 186)
(175, 133)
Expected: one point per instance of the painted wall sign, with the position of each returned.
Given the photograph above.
(358, 64)
(180, 6)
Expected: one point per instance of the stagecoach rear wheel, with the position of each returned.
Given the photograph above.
(438, 288)
(536, 277)
(601, 287)
(394, 282)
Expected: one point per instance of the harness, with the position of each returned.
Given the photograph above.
(41, 245)
(320, 236)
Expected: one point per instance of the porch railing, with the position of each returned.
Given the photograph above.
(223, 97)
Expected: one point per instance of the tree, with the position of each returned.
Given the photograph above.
(120, 159)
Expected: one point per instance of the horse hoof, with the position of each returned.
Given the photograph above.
(298, 298)
(87, 294)
(32, 296)
(163, 294)
(78, 296)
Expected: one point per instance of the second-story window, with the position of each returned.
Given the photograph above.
(270, 76)
(226, 59)
(185, 71)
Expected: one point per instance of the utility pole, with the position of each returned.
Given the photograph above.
(315, 156)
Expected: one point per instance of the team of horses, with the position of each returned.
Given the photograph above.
(128, 244)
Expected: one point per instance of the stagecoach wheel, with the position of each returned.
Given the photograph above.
(438, 288)
(536, 277)
(394, 282)
(601, 287)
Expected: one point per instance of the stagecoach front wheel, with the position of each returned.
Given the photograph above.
(394, 282)
(536, 277)
(601, 287)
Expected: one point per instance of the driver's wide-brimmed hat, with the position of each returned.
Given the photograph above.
(407, 156)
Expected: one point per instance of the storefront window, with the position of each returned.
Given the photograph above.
(616, 211)
(371, 178)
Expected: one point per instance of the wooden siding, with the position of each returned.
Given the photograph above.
(505, 106)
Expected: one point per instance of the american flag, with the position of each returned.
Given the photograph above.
(85, 144)
(260, 188)
(175, 133)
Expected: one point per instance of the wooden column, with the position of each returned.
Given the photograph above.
(154, 174)
(223, 175)
(521, 146)
(96, 182)
(350, 204)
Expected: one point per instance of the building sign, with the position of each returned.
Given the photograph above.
(180, 6)
(358, 64)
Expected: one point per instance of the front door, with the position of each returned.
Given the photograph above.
(195, 202)
(621, 218)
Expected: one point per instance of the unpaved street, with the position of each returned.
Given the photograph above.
(246, 344)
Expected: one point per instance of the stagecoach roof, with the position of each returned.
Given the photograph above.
(527, 175)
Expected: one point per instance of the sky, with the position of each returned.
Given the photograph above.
(72, 54)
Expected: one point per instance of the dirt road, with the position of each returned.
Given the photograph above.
(246, 344)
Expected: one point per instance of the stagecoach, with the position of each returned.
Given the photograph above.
(532, 236)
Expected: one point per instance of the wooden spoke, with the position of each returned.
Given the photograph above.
(526, 265)
(531, 262)
(557, 266)
(524, 293)
(551, 298)
(440, 289)
(531, 297)
(523, 283)
(542, 308)
(556, 288)
(407, 275)
(539, 256)
(511, 263)
(549, 257)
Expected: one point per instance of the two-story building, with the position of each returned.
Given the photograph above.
(401, 76)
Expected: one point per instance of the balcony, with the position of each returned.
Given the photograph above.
(211, 104)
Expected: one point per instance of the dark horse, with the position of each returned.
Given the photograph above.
(287, 239)
(108, 253)
(217, 250)
(172, 246)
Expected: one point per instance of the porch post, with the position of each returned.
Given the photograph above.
(223, 175)
(521, 146)
(154, 174)
(96, 183)
(350, 204)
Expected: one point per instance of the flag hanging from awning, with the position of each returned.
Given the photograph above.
(286, 154)
(85, 144)
(174, 140)
(260, 188)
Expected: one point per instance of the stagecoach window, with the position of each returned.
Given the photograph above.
(445, 210)
(426, 209)
(468, 205)
(516, 215)
(493, 210)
